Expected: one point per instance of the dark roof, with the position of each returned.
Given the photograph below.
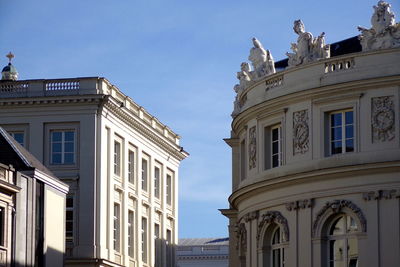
(347, 46)
(12, 153)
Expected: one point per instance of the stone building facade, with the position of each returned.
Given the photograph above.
(316, 153)
(202, 252)
(120, 162)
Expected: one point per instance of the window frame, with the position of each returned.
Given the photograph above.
(132, 165)
(145, 173)
(279, 246)
(117, 158)
(18, 128)
(157, 182)
(49, 127)
(117, 227)
(169, 188)
(63, 151)
(267, 137)
(144, 239)
(72, 221)
(343, 126)
(131, 233)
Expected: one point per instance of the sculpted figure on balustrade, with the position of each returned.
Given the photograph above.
(385, 32)
(307, 48)
(261, 60)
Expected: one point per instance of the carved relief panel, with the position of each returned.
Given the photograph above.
(252, 147)
(383, 119)
(301, 132)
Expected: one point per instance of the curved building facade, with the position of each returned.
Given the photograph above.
(316, 153)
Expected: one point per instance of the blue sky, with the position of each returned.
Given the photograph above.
(178, 59)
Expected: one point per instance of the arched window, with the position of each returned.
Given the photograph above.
(277, 249)
(342, 243)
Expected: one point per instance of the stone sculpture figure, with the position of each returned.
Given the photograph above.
(244, 80)
(385, 32)
(307, 48)
(261, 60)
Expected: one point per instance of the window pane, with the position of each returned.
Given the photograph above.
(276, 258)
(349, 145)
(349, 131)
(69, 136)
(275, 161)
(352, 252)
(19, 137)
(337, 253)
(69, 147)
(338, 227)
(69, 215)
(275, 147)
(69, 227)
(336, 147)
(68, 158)
(349, 117)
(336, 133)
(56, 158)
(56, 136)
(336, 119)
(275, 134)
(56, 147)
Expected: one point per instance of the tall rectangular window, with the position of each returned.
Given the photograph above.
(341, 131)
(276, 146)
(69, 219)
(169, 189)
(2, 226)
(157, 182)
(117, 227)
(62, 145)
(19, 137)
(117, 158)
(144, 239)
(131, 167)
(131, 240)
(243, 160)
(144, 174)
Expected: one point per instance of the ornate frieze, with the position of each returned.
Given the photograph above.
(252, 147)
(301, 132)
(383, 119)
(307, 48)
(273, 217)
(251, 216)
(337, 206)
(381, 194)
(300, 204)
(385, 32)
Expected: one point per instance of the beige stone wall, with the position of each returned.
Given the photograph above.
(294, 195)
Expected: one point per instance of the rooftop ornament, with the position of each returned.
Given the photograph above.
(9, 72)
(307, 48)
(385, 32)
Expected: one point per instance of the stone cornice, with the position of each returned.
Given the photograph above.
(51, 100)
(203, 257)
(173, 149)
(295, 177)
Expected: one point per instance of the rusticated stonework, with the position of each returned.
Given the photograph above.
(252, 147)
(273, 217)
(300, 204)
(301, 132)
(383, 119)
(336, 206)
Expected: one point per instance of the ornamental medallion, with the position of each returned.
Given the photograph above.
(383, 119)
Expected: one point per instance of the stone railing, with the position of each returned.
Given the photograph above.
(274, 82)
(339, 65)
(13, 88)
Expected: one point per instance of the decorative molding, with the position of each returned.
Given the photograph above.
(251, 216)
(383, 119)
(273, 217)
(274, 82)
(241, 236)
(300, 204)
(381, 194)
(337, 206)
(252, 147)
(301, 132)
(339, 65)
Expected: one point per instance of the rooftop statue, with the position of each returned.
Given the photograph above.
(307, 48)
(243, 76)
(385, 32)
(244, 80)
(261, 60)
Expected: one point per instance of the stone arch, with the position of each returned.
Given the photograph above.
(268, 218)
(336, 207)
